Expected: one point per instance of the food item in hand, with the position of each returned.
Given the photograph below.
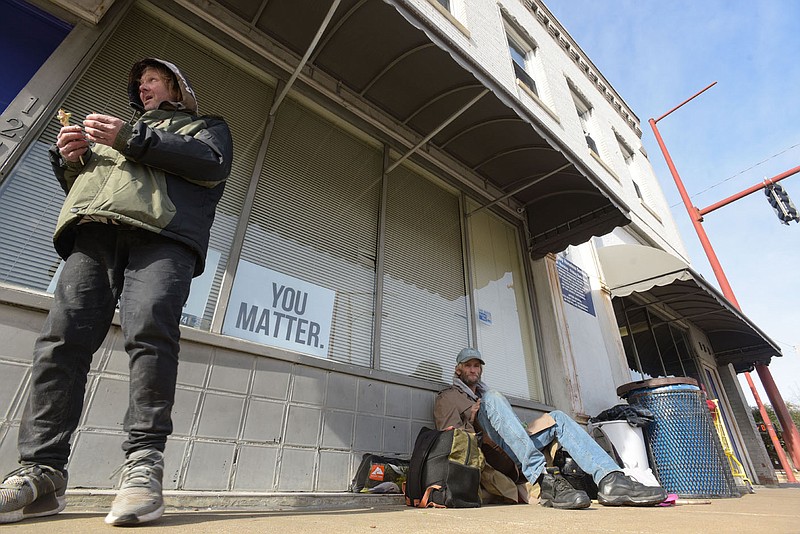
(63, 117)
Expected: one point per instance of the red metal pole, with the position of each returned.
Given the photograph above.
(725, 286)
(752, 189)
(694, 215)
(790, 435)
(698, 93)
(771, 431)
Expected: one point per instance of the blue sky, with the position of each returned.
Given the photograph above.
(744, 129)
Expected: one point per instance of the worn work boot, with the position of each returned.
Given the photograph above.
(558, 493)
(32, 491)
(616, 489)
(139, 499)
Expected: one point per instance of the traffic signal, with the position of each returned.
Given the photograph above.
(781, 203)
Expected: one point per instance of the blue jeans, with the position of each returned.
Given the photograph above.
(150, 276)
(501, 424)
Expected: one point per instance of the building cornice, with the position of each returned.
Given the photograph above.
(579, 57)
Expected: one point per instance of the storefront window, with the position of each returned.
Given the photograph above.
(315, 220)
(502, 308)
(654, 346)
(424, 319)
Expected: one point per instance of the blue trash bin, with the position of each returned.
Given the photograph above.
(684, 449)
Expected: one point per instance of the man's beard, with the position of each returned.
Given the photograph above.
(470, 381)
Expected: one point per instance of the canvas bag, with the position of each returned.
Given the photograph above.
(375, 470)
(445, 470)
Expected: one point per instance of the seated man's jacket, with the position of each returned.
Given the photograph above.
(451, 409)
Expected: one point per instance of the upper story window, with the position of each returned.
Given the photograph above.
(638, 191)
(627, 152)
(454, 11)
(520, 59)
(631, 161)
(627, 155)
(584, 110)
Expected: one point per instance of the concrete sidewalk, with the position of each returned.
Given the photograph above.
(773, 510)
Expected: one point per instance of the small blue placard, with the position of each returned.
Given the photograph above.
(575, 288)
(485, 317)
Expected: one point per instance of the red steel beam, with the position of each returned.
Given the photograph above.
(782, 412)
(685, 101)
(753, 189)
(771, 431)
(694, 215)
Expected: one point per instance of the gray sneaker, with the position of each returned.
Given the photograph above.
(139, 498)
(32, 491)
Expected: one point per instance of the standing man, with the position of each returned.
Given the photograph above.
(469, 404)
(133, 231)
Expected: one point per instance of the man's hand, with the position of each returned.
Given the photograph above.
(72, 143)
(473, 412)
(102, 129)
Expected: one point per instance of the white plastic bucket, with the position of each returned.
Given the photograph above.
(628, 441)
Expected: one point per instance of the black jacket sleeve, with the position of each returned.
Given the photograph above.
(204, 159)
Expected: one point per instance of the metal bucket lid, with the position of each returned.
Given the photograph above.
(653, 383)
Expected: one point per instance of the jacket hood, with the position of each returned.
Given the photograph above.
(188, 101)
(481, 389)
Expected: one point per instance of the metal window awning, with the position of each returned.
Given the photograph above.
(663, 278)
(386, 53)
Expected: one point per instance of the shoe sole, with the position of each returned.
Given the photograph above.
(18, 515)
(551, 504)
(132, 519)
(627, 501)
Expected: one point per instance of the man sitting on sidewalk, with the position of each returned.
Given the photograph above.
(470, 405)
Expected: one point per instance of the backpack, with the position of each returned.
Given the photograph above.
(375, 470)
(445, 470)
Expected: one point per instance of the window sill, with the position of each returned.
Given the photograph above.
(605, 166)
(651, 211)
(522, 85)
(449, 16)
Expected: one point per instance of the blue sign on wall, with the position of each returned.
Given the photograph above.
(575, 288)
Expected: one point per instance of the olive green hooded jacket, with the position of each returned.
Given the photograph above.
(165, 173)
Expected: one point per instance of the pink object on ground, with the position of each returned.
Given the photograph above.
(670, 500)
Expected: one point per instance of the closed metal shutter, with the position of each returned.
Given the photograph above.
(315, 218)
(31, 198)
(424, 322)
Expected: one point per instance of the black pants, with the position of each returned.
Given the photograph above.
(150, 276)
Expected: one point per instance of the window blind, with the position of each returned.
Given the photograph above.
(424, 322)
(315, 218)
(505, 327)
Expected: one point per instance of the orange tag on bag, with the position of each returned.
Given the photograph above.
(376, 472)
